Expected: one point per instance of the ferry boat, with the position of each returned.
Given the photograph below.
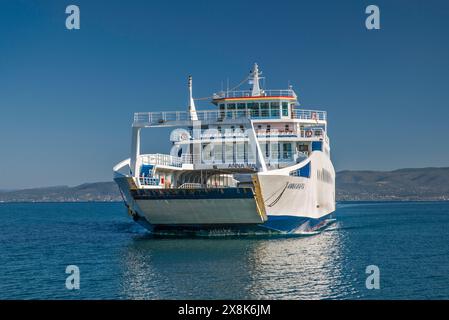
(256, 163)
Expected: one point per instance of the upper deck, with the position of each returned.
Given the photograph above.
(209, 117)
(237, 107)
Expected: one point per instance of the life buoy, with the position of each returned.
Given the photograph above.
(309, 133)
(183, 136)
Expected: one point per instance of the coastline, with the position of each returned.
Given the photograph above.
(414, 184)
(338, 201)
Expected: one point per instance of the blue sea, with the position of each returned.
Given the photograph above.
(117, 259)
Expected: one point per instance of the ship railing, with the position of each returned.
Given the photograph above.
(312, 133)
(173, 117)
(248, 158)
(248, 93)
(208, 185)
(189, 158)
(285, 156)
(160, 118)
(303, 133)
(226, 134)
(242, 158)
(190, 185)
(237, 133)
(161, 159)
(309, 114)
(149, 181)
(220, 157)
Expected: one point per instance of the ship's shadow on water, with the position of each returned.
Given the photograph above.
(219, 234)
(234, 234)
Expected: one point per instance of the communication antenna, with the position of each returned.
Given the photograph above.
(192, 109)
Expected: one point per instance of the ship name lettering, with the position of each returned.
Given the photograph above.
(241, 166)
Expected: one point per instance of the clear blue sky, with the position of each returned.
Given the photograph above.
(67, 97)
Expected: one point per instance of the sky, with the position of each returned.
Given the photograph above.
(67, 97)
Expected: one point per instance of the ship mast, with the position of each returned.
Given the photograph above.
(254, 79)
(192, 109)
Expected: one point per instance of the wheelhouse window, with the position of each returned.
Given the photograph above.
(222, 110)
(265, 109)
(285, 109)
(274, 109)
(231, 110)
(241, 107)
(253, 107)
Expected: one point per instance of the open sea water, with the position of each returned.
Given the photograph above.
(408, 241)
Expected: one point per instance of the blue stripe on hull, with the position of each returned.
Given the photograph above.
(192, 194)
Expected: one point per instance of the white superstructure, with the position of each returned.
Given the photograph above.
(256, 163)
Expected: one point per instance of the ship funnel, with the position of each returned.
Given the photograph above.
(192, 109)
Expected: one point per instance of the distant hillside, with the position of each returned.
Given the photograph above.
(99, 191)
(403, 184)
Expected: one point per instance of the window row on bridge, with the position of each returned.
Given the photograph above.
(256, 109)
